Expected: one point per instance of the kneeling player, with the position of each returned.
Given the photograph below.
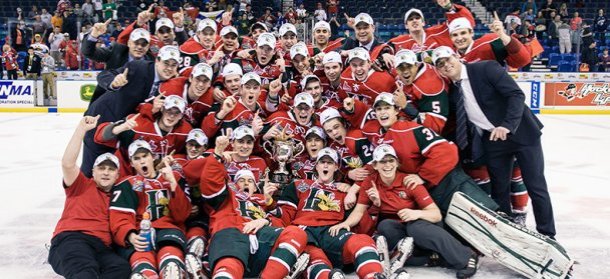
(242, 241)
(316, 205)
(161, 195)
(407, 212)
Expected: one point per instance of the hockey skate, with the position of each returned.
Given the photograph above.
(299, 266)
(194, 266)
(404, 248)
(172, 271)
(382, 250)
(401, 273)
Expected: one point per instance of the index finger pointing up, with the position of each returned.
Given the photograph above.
(496, 17)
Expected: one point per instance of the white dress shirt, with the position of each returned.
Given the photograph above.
(473, 110)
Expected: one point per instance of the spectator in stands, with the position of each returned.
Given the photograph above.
(334, 28)
(604, 61)
(528, 15)
(71, 56)
(601, 25)
(46, 18)
(565, 41)
(548, 7)
(211, 6)
(291, 14)
(575, 22)
(553, 30)
(31, 67)
(301, 11)
(333, 7)
(33, 12)
(563, 10)
(242, 24)
(118, 28)
(589, 56)
(279, 20)
(38, 27)
(9, 61)
(88, 11)
(70, 24)
(97, 7)
(57, 20)
(20, 14)
(78, 11)
(109, 9)
(541, 26)
(249, 14)
(63, 5)
(320, 13)
(55, 40)
(19, 37)
(512, 19)
(300, 26)
(48, 78)
(529, 4)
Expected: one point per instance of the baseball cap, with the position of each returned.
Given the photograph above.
(459, 23)
(405, 56)
(363, 17)
(327, 151)
(328, 114)
(174, 101)
(250, 76)
(259, 24)
(413, 11)
(232, 69)
(243, 173)
(386, 98)
(382, 150)
(164, 21)
(202, 69)
(359, 53)
(242, 131)
(227, 30)
(332, 57)
(266, 39)
(287, 27)
(321, 24)
(441, 52)
(306, 79)
(317, 131)
(207, 23)
(299, 48)
(139, 33)
(137, 145)
(303, 98)
(169, 52)
(106, 157)
(198, 136)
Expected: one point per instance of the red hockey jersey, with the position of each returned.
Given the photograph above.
(367, 90)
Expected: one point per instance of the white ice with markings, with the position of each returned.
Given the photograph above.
(577, 152)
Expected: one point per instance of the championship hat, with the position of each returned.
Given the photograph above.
(441, 52)
(317, 131)
(306, 80)
(266, 39)
(332, 57)
(459, 23)
(321, 25)
(139, 33)
(164, 21)
(169, 52)
(243, 173)
(329, 114)
(299, 48)
(382, 150)
(174, 101)
(287, 27)
(363, 17)
(359, 53)
(250, 76)
(405, 56)
(386, 98)
(207, 23)
(303, 98)
(137, 145)
(327, 151)
(228, 30)
(242, 131)
(106, 157)
(202, 69)
(413, 11)
(198, 136)
(232, 69)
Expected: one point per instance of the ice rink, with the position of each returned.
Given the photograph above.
(577, 152)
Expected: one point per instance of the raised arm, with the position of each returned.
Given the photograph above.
(68, 162)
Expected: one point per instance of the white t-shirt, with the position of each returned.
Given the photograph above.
(97, 4)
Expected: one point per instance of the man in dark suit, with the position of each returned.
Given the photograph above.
(126, 88)
(364, 32)
(490, 109)
(116, 55)
(32, 65)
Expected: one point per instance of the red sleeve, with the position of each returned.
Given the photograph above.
(421, 196)
(518, 55)
(77, 186)
(121, 223)
(441, 158)
(459, 11)
(363, 198)
(179, 205)
(359, 114)
(99, 139)
(145, 109)
(210, 125)
(192, 170)
(124, 35)
(213, 177)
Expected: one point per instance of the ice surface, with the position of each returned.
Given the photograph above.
(577, 152)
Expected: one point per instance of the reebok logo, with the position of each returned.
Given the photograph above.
(483, 217)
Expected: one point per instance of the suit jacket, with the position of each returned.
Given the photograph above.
(502, 101)
(116, 105)
(32, 66)
(114, 56)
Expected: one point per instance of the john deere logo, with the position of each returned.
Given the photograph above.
(86, 92)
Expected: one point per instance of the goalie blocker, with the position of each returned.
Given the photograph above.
(531, 254)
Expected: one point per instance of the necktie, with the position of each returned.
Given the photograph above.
(461, 132)
(154, 89)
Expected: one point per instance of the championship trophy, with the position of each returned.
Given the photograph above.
(283, 150)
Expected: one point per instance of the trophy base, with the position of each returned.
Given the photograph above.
(281, 178)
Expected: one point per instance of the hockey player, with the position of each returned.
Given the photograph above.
(315, 140)
(167, 32)
(321, 39)
(499, 46)
(263, 60)
(407, 212)
(228, 82)
(331, 79)
(165, 133)
(352, 145)
(360, 81)
(422, 85)
(242, 143)
(429, 159)
(160, 194)
(293, 123)
(81, 243)
(364, 31)
(196, 49)
(316, 205)
(288, 38)
(312, 85)
(243, 244)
